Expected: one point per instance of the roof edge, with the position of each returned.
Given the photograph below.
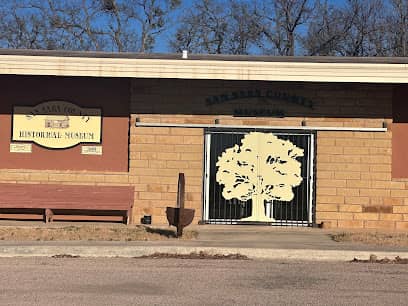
(207, 57)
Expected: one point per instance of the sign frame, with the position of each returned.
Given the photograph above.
(74, 106)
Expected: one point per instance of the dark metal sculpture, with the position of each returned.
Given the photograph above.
(179, 216)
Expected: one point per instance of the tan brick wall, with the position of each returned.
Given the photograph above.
(43, 177)
(354, 184)
(158, 155)
(64, 177)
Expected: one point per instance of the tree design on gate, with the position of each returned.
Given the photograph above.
(262, 168)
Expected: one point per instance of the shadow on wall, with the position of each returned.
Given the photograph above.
(261, 99)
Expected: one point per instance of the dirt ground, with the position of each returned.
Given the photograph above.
(199, 255)
(373, 238)
(89, 233)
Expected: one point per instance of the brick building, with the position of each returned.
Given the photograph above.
(161, 115)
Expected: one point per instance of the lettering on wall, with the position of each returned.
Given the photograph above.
(265, 96)
(57, 124)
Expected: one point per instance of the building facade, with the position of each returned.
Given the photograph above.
(268, 140)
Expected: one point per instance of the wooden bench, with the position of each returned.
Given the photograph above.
(53, 200)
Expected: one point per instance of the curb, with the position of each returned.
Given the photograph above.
(137, 251)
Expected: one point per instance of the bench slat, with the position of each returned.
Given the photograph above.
(74, 197)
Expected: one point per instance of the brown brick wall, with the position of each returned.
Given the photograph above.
(110, 95)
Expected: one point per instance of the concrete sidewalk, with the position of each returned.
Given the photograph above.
(253, 241)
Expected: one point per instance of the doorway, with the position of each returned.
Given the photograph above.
(259, 177)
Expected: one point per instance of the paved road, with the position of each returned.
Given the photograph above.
(84, 281)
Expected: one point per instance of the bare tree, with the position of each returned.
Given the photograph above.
(277, 27)
(244, 27)
(356, 29)
(397, 25)
(202, 28)
(216, 27)
(327, 29)
(367, 19)
(19, 30)
(281, 22)
(150, 16)
(110, 25)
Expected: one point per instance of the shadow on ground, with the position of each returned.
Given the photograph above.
(163, 232)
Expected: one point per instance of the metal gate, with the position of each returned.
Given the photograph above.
(259, 176)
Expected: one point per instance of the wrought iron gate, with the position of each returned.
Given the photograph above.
(259, 176)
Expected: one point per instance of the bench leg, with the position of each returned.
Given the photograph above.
(128, 218)
(48, 215)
